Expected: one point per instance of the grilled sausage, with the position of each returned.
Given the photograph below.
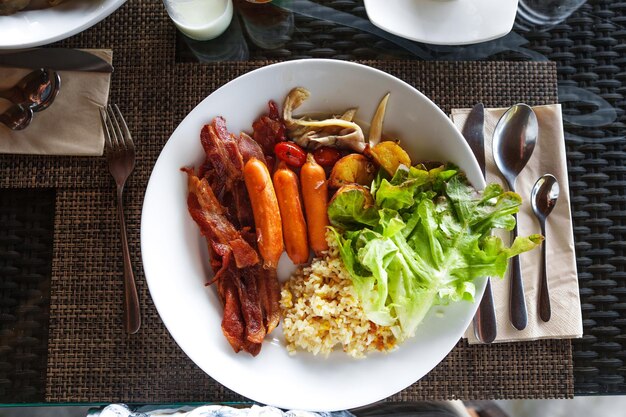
(265, 210)
(294, 225)
(315, 194)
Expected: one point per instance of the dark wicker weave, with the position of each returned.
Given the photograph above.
(91, 359)
(589, 52)
(27, 219)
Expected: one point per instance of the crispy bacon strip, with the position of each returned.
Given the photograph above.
(234, 326)
(269, 129)
(223, 167)
(221, 149)
(225, 156)
(245, 217)
(232, 322)
(245, 280)
(249, 148)
(219, 264)
(269, 294)
(218, 201)
(210, 216)
(222, 157)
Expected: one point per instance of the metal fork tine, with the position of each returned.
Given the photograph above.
(107, 136)
(104, 124)
(110, 130)
(128, 140)
(114, 135)
(119, 138)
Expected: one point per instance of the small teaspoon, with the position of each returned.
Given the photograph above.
(36, 90)
(55, 87)
(543, 199)
(17, 117)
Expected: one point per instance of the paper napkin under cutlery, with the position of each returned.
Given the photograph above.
(549, 157)
(71, 125)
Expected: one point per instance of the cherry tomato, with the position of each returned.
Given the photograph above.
(326, 156)
(290, 153)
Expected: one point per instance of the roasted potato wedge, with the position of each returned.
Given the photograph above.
(389, 155)
(352, 169)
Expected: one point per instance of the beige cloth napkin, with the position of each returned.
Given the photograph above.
(71, 125)
(548, 158)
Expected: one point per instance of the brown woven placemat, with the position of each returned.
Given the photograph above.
(91, 359)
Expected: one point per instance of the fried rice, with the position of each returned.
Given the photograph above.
(321, 312)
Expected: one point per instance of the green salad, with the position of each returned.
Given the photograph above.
(420, 238)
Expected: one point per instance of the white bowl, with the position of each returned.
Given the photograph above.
(29, 28)
(444, 22)
(175, 257)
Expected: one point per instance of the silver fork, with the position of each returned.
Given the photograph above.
(120, 152)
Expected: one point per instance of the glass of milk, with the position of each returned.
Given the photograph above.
(200, 19)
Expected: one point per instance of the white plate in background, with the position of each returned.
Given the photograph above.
(444, 22)
(176, 262)
(30, 28)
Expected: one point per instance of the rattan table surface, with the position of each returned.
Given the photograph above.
(60, 292)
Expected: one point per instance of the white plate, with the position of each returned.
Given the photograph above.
(175, 257)
(26, 29)
(444, 22)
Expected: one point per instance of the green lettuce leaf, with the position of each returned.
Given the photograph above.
(352, 208)
(421, 238)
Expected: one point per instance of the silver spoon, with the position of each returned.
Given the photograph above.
(36, 90)
(55, 87)
(514, 141)
(543, 199)
(17, 117)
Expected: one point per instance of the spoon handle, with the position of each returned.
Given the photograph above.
(545, 312)
(517, 301)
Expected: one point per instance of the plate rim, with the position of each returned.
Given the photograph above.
(109, 7)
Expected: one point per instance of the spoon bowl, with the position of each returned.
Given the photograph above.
(50, 93)
(37, 90)
(28, 88)
(543, 198)
(17, 117)
(544, 195)
(514, 140)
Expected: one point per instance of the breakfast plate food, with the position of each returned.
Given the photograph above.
(224, 199)
(444, 22)
(41, 23)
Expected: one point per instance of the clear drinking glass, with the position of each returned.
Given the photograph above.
(268, 26)
(200, 19)
(230, 46)
(544, 14)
